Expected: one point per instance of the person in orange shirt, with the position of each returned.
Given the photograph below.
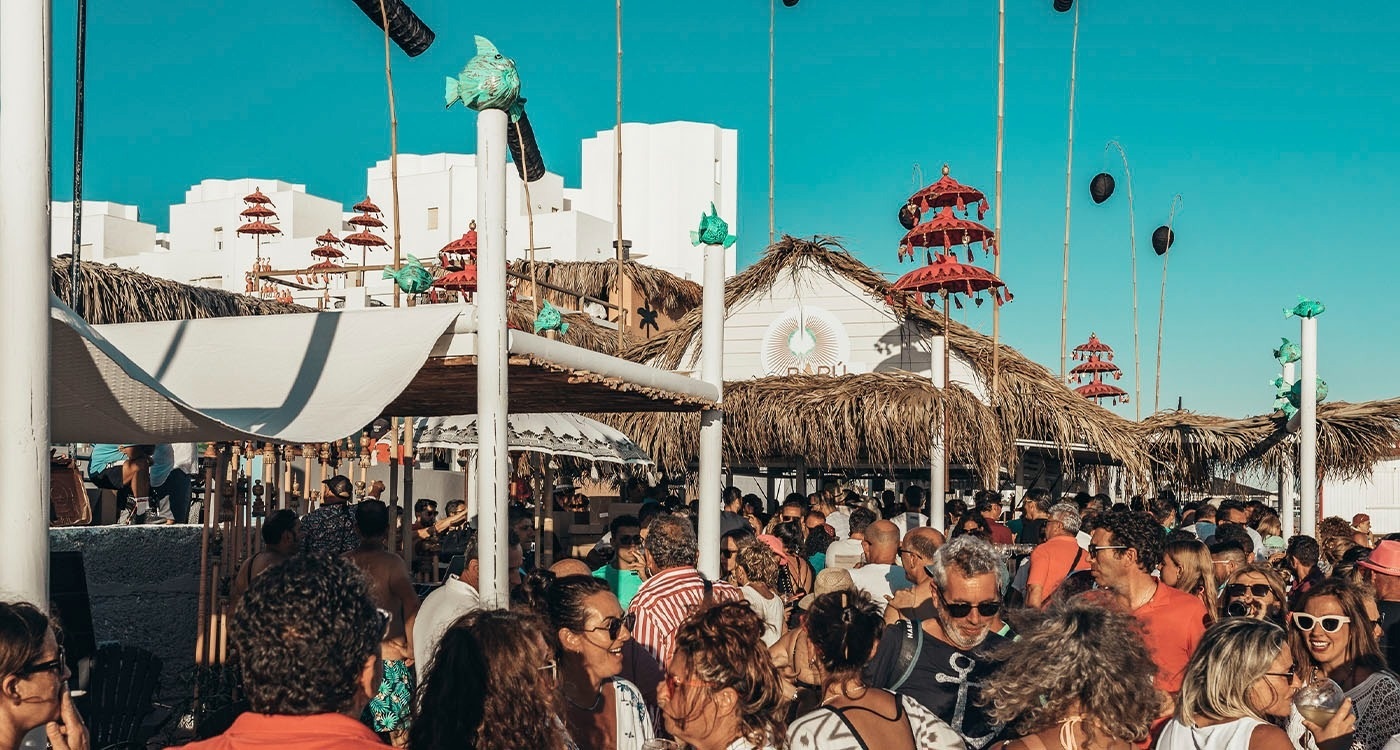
(1056, 557)
(1124, 550)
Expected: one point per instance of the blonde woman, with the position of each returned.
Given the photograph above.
(1186, 566)
(756, 575)
(1241, 678)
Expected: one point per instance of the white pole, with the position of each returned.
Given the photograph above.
(1287, 489)
(938, 462)
(25, 75)
(712, 420)
(1307, 444)
(491, 410)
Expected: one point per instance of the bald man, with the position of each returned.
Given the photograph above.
(880, 576)
(915, 553)
(570, 567)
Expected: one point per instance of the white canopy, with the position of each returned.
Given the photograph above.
(552, 434)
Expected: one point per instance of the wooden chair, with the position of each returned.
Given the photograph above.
(120, 696)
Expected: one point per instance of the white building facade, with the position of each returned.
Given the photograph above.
(111, 232)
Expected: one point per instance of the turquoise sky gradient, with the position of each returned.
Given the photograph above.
(1275, 121)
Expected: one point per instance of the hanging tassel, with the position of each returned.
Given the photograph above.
(958, 302)
(947, 243)
(969, 253)
(1008, 295)
(923, 205)
(962, 206)
(979, 299)
(981, 209)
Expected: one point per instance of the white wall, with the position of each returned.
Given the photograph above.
(1378, 495)
(670, 173)
(110, 231)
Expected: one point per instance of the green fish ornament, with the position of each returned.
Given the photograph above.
(713, 230)
(1306, 308)
(550, 319)
(1281, 397)
(1295, 394)
(489, 81)
(411, 277)
(1288, 352)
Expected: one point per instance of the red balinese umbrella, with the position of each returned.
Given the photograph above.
(257, 211)
(458, 281)
(945, 276)
(366, 239)
(1099, 390)
(257, 197)
(1092, 347)
(328, 238)
(948, 192)
(946, 230)
(365, 220)
(258, 227)
(327, 251)
(366, 207)
(453, 255)
(1096, 366)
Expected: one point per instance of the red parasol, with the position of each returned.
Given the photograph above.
(948, 192)
(366, 239)
(257, 197)
(458, 281)
(365, 220)
(945, 275)
(257, 211)
(366, 207)
(327, 251)
(946, 230)
(258, 227)
(328, 238)
(1091, 347)
(1099, 390)
(1096, 365)
(464, 245)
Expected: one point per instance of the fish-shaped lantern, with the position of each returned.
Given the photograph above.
(1306, 308)
(713, 230)
(1281, 403)
(411, 277)
(550, 319)
(1288, 352)
(1295, 393)
(489, 81)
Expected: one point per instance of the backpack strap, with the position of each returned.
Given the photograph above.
(1075, 565)
(909, 649)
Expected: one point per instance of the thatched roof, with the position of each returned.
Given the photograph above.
(1190, 448)
(109, 294)
(1030, 402)
(670, 294)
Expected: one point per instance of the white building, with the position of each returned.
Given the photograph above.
(111, 232)
(1377, 495)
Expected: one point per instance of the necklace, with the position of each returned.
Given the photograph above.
(841, 693)
(597, 702)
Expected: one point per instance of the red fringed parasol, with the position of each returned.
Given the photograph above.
(948, 192)
(1096, 366)
(365, 220)
(328, 238)
(327, 251)
(946, 230)
(258, 227)
(366, 239)
(945, 275)
(1099, 390)
(458, 281)
(1093, 346)
(1096, 355)
(366, 206)
(257, 197)
(257, 211)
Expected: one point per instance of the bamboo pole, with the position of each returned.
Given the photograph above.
(1132, 245)
(393, 142)
(996, 228)
(1162, 305)
(772, 48)
(1069, 170)
(202, 608)
(617, 136)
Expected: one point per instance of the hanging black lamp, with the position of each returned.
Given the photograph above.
(909, 216)
(1101, 187)
(1162, 239)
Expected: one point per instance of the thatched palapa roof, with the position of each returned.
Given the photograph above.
(110, 294)
(670, 294)
(881, 418)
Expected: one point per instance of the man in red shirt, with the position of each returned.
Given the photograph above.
(989, 505)
(307, 642)
(1056, 557)
(1124, 550)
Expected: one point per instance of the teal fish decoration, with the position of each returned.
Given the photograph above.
(1306, 308)
(550, 319)
(489, 81)
(411, 277)
(1288, 353)
(713, 230)
(1295, 394)
(1281, 397)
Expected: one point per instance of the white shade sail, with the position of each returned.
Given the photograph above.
(551, 434)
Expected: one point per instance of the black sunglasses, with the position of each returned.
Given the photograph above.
(963, 609)
(728, 553)
(1260, 590)
(614, 625)
(53, 665)
(628, 540)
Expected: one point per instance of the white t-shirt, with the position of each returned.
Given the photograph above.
(443, 607)
(840, 521)
(907, 521)
(1231, 735)
(826, 729)
(845, 554)
(880, 580)
(770, 609)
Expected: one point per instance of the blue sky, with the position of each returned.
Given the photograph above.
(1277, 126)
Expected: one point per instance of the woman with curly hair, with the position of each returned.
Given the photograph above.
(1333, 635)
(1256, 591)
(589, 630)
(1240, 680)
(756, 575)
(721, 691)
(845, 628)
(490, 687)
(1081, 678)
(1186, 566)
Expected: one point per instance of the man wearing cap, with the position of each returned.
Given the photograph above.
(1361, 530)
(1382, 566)
(330, 529)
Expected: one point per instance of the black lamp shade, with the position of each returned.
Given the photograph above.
(1063, 6)
(909, 216)
(790, 3)
(1101, 187)
(406, 29)
(1162, 239)
(524, 150)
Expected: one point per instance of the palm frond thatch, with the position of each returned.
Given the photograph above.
(583, 332)
(109, 294)
(1030, 402)
(670, 294)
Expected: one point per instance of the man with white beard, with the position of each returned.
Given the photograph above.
(941, 661)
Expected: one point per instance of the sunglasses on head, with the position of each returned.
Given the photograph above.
(1330, 623)
(614, 625)
(53, 665)
(963, 609)
(1259, 590)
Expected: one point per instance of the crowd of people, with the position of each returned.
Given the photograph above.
(841, 622)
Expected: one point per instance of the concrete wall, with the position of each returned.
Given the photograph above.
(143, 582)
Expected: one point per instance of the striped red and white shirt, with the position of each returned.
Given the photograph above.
(664, 601)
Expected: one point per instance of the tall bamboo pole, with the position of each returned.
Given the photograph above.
(772, 42)
(1069, 170)
(996, 229)
(1132, 246)
(617, 216)
(1162, 305)
(393, 142)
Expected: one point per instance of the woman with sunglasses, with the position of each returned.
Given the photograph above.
(1255, 591)
(721, 691)
(33, 677)
(1332, 635)
(491, 686)
(588, 627)
(845, 628)
(1241, 679)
